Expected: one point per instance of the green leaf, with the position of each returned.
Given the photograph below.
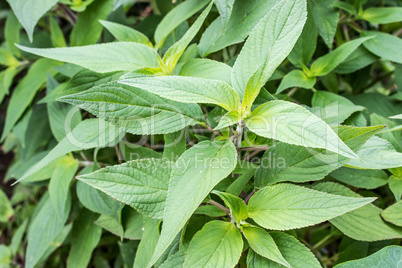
(386, 257)
(175, 145)
(6, 210)
(393, 214)
(382, 15)
(17, 237)
(238, 185)
(175, 17)
(124, 33)
(238, 209)
(59, 186)
(90, 133)
(134, 151)
(325, 64)
(29, 12)
(345, 6)
(190, 182)
(305, 46)
(245, 15)
(141, 184)
(359, 59)
(293, 124)
(43, 231)
(25, 92)
(136, 110)
(225, 8)
(398, 116)
(102, 58)
(56, 34)
(12, 33)
(287, 206)
(60, 113)
(296, 78)
(384, 45)
(229, 119)
(186, 89)
(362, 224)
(112, 224)
(174, 247)
(45, 173)
(84, 236)
(263, 244)
(127, 252)
(148, 242)
(395, 185)
(5, 256)
(173, 261)
(278, 31)
(176, 50)
(296, 253)
(210, 210)
(285, 162)
(377, 153)
(88, 30)
(361, 178)
(6, 80)
(326, 18)
(81, 81)
(96, 200)
(7, 58)
(206, 68)
(333, 108)
(133, 223)
(217, 244)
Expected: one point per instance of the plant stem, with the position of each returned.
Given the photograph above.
(249, 196)
(321, 242)
(216, 204)
(256, 148)
(239, 137)
(247, 157)
(292, 91)
(212, 130)
(397, 33)
(118, 153)
(345, 32)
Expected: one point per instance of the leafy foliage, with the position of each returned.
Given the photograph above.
(200, 133)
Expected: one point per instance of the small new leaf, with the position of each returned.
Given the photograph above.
(262, 243)
(217, 244)
(238, 208)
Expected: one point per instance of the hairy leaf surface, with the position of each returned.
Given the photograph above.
(194, 175)
(362, 224)
(187, 89)
(287, 206)
(286, 162)
(217, 244)
(88, 134)
(293, 124)
(267, 46)
(296, 253)
(141, 184)
(263, 244)
(102, 58)
(136, 110)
